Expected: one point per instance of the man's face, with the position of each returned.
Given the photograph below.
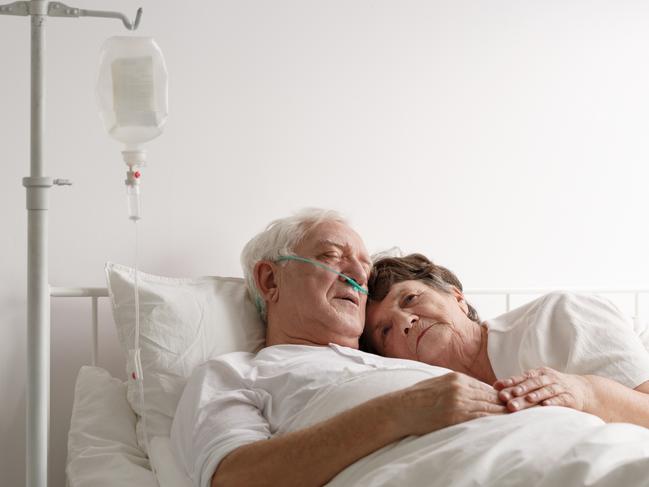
(316, 305)
(417, 322)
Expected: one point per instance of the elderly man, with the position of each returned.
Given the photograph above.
(310, 404)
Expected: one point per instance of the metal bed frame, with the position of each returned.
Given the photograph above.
(94, 293)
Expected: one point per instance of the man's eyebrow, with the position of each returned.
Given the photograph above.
(327, 241)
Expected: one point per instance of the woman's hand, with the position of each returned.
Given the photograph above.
(546, 387)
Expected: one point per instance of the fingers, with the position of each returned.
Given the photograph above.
(544, 393)
(485, 398)
(530, 380)
(545, 396)
(538, 396)
(562, 399)
(514, 380)
(526, 387)
(525, 376)
(543, 386)
(476, 396)
(470, 396)
(519, 404)
(503, 383)
(489, 408)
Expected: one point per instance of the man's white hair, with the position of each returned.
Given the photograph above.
(280, 237)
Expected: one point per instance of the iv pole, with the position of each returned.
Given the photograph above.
(37, 186)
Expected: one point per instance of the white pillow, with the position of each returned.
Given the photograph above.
(102, 447)
(183, 323)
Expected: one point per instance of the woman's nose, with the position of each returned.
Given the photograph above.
(408, 322)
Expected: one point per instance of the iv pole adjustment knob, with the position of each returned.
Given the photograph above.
(62, 182)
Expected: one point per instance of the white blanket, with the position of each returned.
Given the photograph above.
(544, 446)
(540, 447)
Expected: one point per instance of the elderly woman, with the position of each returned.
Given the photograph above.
(561, 349)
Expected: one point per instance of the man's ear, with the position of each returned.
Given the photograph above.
(459, 297)
(267, 280)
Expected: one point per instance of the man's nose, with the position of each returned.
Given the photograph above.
(356, 271)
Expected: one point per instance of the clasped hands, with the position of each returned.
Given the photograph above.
(545, 387)
(454, 398)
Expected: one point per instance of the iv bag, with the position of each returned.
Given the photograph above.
(132, 89)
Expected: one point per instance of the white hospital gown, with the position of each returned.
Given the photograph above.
(572, 333)
(241, 397)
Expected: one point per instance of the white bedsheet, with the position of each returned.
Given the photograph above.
(164, 464)
(541, 447)
(538, 447)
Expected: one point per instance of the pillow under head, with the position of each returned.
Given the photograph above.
(183, 323)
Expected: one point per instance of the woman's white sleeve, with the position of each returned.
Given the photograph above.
(581, 334)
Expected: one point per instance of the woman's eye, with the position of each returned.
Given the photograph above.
(409, 298)
(385, 330)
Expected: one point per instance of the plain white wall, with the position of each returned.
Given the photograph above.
(506, 139)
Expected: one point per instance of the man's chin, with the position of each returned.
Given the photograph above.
(349, 324)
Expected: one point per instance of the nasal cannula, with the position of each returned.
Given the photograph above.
(355, 285)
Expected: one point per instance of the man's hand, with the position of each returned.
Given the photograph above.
(447, 400)
(296, 458)
(547, 387)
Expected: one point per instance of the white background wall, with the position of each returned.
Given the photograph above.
(506, 139)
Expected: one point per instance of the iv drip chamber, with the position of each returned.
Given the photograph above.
(133, 200)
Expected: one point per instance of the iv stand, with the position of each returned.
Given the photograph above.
(37, 186)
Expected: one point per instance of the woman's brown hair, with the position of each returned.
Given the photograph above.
(414, 267)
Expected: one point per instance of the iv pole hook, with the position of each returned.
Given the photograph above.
(58, 9)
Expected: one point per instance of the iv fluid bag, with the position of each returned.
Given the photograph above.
(132, 89)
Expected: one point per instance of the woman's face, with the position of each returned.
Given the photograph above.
(417, 322)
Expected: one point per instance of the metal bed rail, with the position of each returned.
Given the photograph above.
(93, 293)
(508, 293)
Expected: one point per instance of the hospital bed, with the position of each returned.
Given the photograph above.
(185, 322)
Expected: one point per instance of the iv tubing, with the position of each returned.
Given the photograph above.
(137, 362)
